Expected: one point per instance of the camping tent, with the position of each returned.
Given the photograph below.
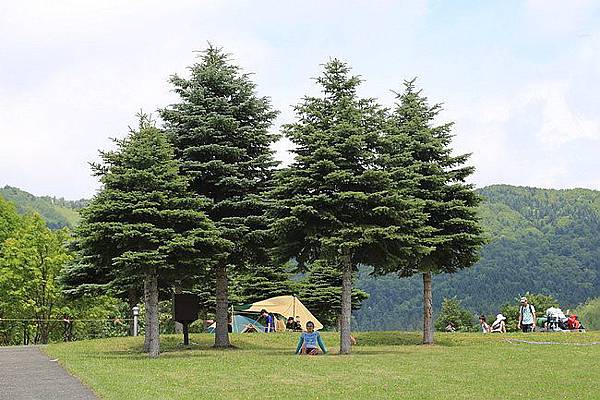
(285, 306)
(240, 324)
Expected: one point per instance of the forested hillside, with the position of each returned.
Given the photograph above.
(540, 241)
(57, 213)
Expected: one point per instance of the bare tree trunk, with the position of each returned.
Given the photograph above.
(152, 327)
(44, 332)
(427, 309)
(178, 325)
(345, 343)
(221, 331)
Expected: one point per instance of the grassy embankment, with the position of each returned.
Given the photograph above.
(384, 365)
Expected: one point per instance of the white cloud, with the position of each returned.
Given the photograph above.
(560, 123)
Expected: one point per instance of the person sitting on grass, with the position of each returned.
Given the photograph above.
(310, 341)
(499, 325)
(298, 324)
(485, 328)
(290, 325)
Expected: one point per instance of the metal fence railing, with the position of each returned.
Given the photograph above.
(14, 331)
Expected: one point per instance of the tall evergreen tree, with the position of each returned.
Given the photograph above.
(455, 234)
(220, 130)
(320, 291)
(145, 223)
(333, 202)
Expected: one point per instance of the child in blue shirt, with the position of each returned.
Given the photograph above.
(310, 341)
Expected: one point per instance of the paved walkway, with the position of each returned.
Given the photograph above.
(27, 373)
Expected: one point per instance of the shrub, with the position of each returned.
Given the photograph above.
(453, 312)
(589, 314)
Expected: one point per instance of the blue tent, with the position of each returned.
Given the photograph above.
(241, 324)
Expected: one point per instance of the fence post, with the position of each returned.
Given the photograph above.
(136, 312)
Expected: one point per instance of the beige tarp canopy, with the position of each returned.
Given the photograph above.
(286, 306)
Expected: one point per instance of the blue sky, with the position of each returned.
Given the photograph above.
(518, 78)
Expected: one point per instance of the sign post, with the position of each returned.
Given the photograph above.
(185, 311)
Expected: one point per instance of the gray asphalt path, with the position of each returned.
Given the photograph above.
(27, 373)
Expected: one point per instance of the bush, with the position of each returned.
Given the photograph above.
(454, 313)
(540, 302)
(589, 314)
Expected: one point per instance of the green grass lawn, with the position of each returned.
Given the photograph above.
(384, 365)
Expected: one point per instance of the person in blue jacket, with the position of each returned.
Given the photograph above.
(269, 321)
(310, 341)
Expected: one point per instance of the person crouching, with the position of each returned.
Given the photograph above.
(310, 341)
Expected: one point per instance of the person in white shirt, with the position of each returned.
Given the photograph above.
(527, 316)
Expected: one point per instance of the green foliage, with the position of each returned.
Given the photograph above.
(541, 302)
(95, 317)
(320, 291)
(31, 258)
(58, 213)
(9, 220)
(589, 314)
(452, 312)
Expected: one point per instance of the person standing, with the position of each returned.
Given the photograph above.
(269, 321)
(527, 316)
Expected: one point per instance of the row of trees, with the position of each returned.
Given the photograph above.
(202, 200)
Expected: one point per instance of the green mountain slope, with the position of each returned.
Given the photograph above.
(58, 213)
(541, 240)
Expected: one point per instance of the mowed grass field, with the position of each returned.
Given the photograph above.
(384, 365)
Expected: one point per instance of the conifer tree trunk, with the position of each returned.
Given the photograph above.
(346, 305)
(152, 327)
(427, 309)
(221, 332)
(147, 321)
